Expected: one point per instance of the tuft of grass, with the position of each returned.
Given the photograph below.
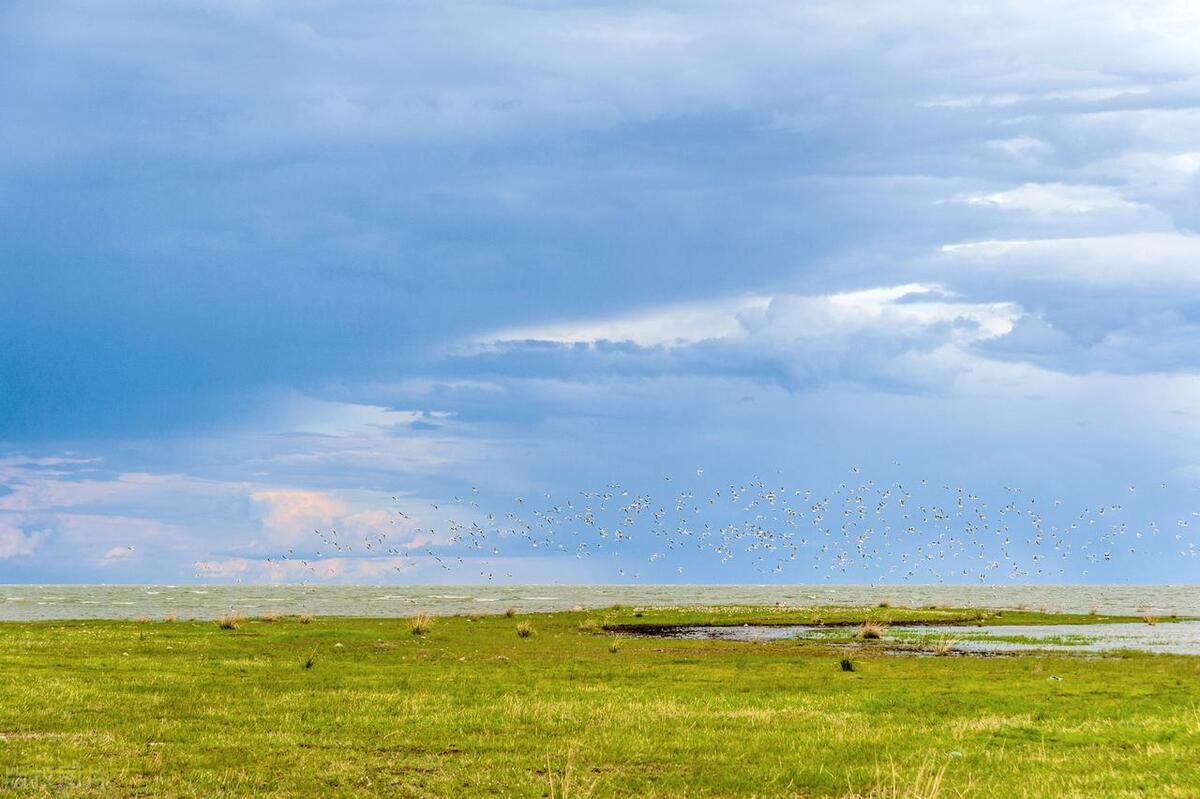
(305, 618)
(871, 630)
(524, 629)
(510, 612)
(590, 626)
(1151, 620)
(613, 649)
(847, 664)
(269, 616)
(567, 785)
(420, 624)
(170, 617)
(140, 620)
(943, 646)
(230, 621)
(926, 783)
(817, 621)
(885, 603)
(474, 617)
(1094, 610)
(311, 660)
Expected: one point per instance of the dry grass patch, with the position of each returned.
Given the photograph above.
(269, 617)
(524, 629)
(230, 621)
(926, 783)
(871, 630)
(304, 618)
(170, 617)
(420, 624)
(567, 783)
(943, 646)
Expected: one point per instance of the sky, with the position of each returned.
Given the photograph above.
(272, 268)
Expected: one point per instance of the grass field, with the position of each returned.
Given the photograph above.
(471, 707)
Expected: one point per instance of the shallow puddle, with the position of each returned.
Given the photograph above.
(1175, 638)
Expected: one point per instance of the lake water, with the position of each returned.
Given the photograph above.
(27, 602)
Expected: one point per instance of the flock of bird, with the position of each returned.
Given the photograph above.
(859, 530)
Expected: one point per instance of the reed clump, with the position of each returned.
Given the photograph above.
(420, 624)
(871, 630)
(305, 618)
(230, 621)
(524, 629)
(941, 647)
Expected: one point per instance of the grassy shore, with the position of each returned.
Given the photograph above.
(470, 706)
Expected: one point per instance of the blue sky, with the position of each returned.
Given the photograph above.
(267, 266)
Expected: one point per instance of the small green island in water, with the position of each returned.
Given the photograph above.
(882, 701)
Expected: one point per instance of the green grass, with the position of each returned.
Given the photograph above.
(1023, 640)
(472, 709)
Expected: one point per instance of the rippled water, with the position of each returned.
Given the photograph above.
(23, 602)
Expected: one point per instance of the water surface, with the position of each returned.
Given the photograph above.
(27, 602)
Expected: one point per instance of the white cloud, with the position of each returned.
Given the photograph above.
(1162, 261)
(912, 334)
(1052, 198)
(785, 317)
(117, 553)
(15, 542)
(1026, 148)
(667, 326)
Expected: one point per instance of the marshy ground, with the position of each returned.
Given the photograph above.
(584, 704)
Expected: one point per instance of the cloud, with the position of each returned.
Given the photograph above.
(896, 334)
(117, 553)
(15, 542)
(658, 327)
(1052, 198)
(293, 514)
(1156, 261)
(727, 224)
